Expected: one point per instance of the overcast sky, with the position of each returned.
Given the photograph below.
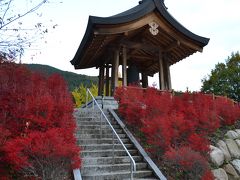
(218, 20)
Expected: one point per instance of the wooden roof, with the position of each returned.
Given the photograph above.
(131, 29)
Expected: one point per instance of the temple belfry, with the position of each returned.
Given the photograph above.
(143, 40)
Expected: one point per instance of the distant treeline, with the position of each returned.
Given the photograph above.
(74, 80)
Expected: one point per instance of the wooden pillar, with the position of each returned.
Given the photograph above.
(144, 80)
(161, 71)
(169, 76)
(124, 66)
(112, 79)
(114, 83)
(101, 81)
(107, 80)
(165, 72)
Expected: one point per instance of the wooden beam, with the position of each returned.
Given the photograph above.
(155, 63)
(139, 57)
(139, 45)
(144, 46)
(124, 66)
(172, 46)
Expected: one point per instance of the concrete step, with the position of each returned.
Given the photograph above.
(92, 118)
(101, 141)
(99, 160)
(91, 112)
(94, 136)
(87, 116)
(87, 112)
(109, 160)
(110, 168)
(146, 178)
(105, 147)
(94, 123)
(107, 153)
(117, 175)
(98, 131)
(97, 126)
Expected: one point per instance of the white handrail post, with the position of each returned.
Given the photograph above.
(113, 147)
(101, 126)
(77, 174)
(131, 167)
(87, 98)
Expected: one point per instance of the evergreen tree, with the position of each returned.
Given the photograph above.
(224, 78)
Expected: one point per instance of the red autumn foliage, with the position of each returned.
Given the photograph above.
(175, 122)
(227, 111)
(37, 121)
(207, 176)
(41, 149)
(131, 104)
(187, 160)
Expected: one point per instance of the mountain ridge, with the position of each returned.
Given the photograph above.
(73, 80)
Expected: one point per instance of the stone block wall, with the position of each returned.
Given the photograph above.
(225, 156)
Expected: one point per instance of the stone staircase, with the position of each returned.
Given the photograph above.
(99, 160)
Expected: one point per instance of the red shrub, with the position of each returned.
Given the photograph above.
(158, 134)
(207, 176)
(169, 122)
(186, 160)
(40, 148)
(36, 115)
(206, 113)
(153, 100)
(199, 143)
(132, 105)
(227, 111)
(181, 129)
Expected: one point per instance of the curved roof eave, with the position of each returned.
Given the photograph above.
(85, 39)
(162, 9)
(127, 16)
(146, 7)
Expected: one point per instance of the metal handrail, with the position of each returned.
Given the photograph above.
(133, 163)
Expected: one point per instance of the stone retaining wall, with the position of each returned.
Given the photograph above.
(225, 156)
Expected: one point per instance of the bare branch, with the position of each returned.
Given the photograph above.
(9, 3)
(14, 40)
(22, 15)
(16, 29)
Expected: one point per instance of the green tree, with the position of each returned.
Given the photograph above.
(225, 78)
(79, 94)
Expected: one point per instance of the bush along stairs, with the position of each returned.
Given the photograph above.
(103, 156)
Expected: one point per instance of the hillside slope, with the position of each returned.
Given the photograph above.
(73, 79)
